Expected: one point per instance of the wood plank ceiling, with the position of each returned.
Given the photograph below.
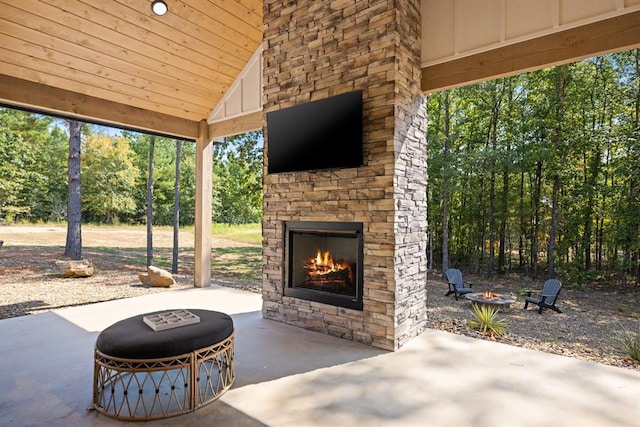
(170, 70)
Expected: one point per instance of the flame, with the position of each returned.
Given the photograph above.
(488, 295)
(323, 264)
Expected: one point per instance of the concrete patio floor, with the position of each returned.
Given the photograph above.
(288, 376)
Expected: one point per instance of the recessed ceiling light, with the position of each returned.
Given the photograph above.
(159, 7)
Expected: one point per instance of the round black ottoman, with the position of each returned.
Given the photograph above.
(143, 374)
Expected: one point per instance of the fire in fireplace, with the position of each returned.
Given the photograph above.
(322, 271)
(324, 262)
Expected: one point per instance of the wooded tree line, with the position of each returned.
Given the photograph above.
(114, 170)
(539, 172)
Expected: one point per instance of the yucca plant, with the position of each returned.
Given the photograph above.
(629, 342)
(485, 319)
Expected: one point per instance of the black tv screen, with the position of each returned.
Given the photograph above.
(324, 134)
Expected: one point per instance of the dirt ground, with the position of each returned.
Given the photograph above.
(587, 328)
(30, 282)
(591, 318)
(103, 236)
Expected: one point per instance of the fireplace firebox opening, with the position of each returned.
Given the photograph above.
(324, 262)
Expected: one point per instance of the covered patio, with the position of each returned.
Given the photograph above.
(291, 376)
(212, 68)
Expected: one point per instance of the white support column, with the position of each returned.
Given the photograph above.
(202, 241)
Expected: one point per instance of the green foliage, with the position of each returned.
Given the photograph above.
(108, 179)
(188, 184)
(629, 343)
(33, 174)
(485, 319)
(575, 278)
(164, 179)
(542, 168)
(237, 180)
(31, 177)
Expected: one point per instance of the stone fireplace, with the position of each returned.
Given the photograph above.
(324, 262)
(312, 51)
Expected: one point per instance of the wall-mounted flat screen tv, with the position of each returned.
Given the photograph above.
(323, 134)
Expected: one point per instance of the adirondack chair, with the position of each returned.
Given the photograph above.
(457, 286)
(546, 298)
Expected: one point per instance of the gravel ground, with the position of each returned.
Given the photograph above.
(30, 282)
(586, 329)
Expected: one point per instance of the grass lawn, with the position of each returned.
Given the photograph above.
(236, 254)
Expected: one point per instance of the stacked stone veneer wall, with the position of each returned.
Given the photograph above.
(313, 50)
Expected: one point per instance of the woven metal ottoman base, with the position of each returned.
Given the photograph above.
(147, 389)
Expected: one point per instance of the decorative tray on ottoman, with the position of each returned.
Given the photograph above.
(170, 320)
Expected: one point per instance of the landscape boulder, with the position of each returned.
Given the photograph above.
(156, 277)
(75, 268)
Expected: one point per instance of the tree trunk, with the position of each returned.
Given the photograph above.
(634, 183)
(561, 85)
(176, 209)
(445, 185)
(536, 219)
(637, 266)
(553, 228)
(152, 142)
(430, 240)
(506, 171)
(523, 230)
(591, 182)
(503, 222)
(491, 214)
(479, 233)
(600, 244)
(73, 246)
